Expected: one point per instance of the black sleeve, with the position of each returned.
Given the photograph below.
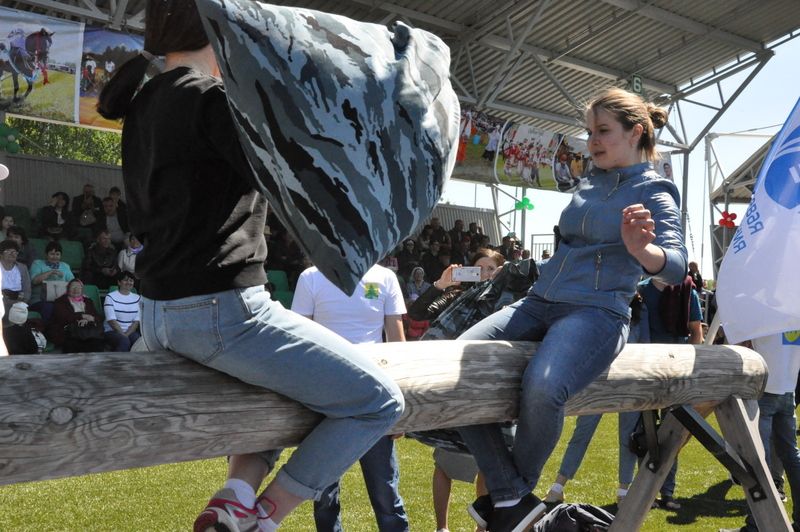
(431, 303)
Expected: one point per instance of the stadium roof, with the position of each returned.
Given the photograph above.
(738, 186)
(536, 61)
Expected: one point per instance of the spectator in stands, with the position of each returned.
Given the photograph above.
(526, 254)
(73, 312)
(26, 252)
(438, 233)
(578, 307)
(458, 251)
(121, 307)
(375, 308)
(100, 265)
(7, 222)
(506, 248)
(116, 194)
(474, 231)
(430, 259)
(485, 241)
(417, 285)
(86, 208)
(113, 221)
(51, 268)
(441, 264)
(457, 233)
(408, 258)
(56, 220)
(424, 239)
(126, 259)
(16, 279)
(697, 279)
(183, 112)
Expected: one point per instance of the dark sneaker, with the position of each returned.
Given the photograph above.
(781, 490)
(224, 513)
(480, 510)
(519, 517)
(668, 503)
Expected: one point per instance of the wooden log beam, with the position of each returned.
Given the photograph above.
(64, 415)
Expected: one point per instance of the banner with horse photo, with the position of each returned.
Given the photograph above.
(103, 52)
(478, 141)
(39, 56)
(526, 157)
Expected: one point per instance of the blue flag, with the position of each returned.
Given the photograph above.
(758, 291)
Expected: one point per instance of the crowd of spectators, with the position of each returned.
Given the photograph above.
(99, 229)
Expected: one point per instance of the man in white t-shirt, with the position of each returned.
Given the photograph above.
(375, 308)
(777, 423)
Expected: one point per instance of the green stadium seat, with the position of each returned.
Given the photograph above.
(278, 279)
(92, 292)
(72, 254)
(38, 244)
(284, 297)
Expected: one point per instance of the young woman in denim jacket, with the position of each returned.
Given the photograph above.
(195, 205)
(623, 222)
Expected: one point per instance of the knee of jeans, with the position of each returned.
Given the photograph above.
(394, 402)
(544, 392)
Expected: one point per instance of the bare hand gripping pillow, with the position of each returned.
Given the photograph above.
(350, 128)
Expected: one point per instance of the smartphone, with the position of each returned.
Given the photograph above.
(469, 274)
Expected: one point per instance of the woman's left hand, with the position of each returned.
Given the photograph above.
(88, 318)
(638, 228)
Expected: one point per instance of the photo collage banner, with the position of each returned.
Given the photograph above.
(54, 69)
(493, 150)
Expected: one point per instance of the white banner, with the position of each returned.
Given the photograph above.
(758, 290)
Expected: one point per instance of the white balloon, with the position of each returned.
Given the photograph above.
(11, 138)
(3, 171)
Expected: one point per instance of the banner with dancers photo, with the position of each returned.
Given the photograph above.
(526, 158)
(478, 141)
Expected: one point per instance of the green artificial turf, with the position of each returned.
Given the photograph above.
(167, 498)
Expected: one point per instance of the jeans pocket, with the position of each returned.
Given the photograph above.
(192, 329)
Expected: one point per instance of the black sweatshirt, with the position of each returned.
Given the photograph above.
(191, 195)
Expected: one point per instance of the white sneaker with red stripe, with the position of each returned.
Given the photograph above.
(224, 513)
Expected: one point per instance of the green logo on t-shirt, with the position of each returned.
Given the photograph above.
(372, 290)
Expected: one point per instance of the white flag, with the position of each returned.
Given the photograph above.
(758, 290)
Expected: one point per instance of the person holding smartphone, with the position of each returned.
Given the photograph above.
(447, 287)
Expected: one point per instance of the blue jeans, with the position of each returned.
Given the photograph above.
(777, 424)
(119, 342)
(243, 333)
(382, 477)
(585, 427)
(577, 344)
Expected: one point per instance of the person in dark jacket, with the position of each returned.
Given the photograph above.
(75, 310)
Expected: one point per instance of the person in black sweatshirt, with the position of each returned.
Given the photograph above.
(196, 207)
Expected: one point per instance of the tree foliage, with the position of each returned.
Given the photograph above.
(67, 142)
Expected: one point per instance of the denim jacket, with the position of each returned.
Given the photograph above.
(591, 265)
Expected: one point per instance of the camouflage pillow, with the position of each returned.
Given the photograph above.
(350, 128)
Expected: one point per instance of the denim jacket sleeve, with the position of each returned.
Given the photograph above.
(662, 200)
